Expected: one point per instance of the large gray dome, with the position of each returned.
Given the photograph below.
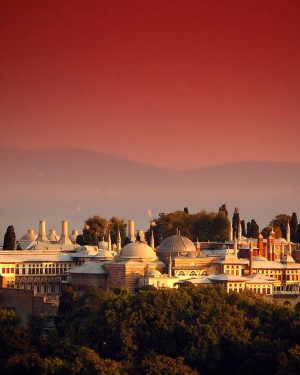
(176, 244)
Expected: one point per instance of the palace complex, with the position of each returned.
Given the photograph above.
(48, 263)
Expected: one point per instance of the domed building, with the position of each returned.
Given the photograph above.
(176, 245)
(135, 259)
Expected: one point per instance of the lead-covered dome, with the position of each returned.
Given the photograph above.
(176, 244)
(137, 250)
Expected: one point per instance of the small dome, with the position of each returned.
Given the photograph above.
(30, 236)
(52, 236)
(102, 253)
(153, 273)
(137, 250)
(103, 245)
(176, 244)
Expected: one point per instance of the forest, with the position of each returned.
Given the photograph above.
(188, 330)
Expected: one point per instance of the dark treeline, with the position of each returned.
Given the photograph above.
(185, 331)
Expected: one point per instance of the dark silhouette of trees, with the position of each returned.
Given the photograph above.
(280, 221)
(223, 208)
(253, 229)
(244, 233)
(294, 228)
(267, 230)
(235, 222)
(204, 226)
(190, 330)
(9, 242)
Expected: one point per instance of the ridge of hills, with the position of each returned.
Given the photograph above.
(73, 184)
(64, 166)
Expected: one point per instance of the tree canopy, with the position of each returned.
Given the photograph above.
(97, 228)
(204, 226)
(9, 242)
(173, 331)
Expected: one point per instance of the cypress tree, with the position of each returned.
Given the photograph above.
(243, 225)
(253, 229)
(9, 239)
(235, 222)
(294, 229)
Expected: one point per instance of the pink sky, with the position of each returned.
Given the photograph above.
(180, 83)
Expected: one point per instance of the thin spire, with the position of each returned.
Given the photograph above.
(152, 241)
(118, 241)
(109, 241)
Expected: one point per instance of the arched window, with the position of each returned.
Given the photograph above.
(193, 273)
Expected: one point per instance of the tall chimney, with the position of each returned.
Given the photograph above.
(288, 232)
(250, 258)
(235, 247)
(64, 238)
(131, 235)
(119, 245)
(230, 231)
(74, 235)
(260, 245)
(240, 232)
(42, 237)
(269, 245)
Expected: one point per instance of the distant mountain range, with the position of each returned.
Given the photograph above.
(73, 183)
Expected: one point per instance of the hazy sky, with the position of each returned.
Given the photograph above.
(180, 83)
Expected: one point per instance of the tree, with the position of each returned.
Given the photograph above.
(93, 232)
(294, 228)
(244, 233)
(9, 239)
(253, 229)
(281, 221)
(235, 222)
(223, 208)
(114, 225)
(267, 230)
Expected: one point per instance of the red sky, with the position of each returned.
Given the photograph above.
(180, 83)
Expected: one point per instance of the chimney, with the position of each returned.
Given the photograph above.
(260, 245)
(230, 231)
(281, 250)
(64, 238)
(288, 232)
(119, 242)
(235, 247)
(109, 241)
(131, 235)
(42, 237)
(74, 235)
(269, 245)
(170, 265)
(240, 232)
(250, 258)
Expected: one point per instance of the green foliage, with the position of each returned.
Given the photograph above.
(267, 230)
(253, 230)
(9, 242)
(204, 226)
(294, 228)
(235, 222)
(97, 228)
(116, 224)
(280, 221)
(173, 331)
